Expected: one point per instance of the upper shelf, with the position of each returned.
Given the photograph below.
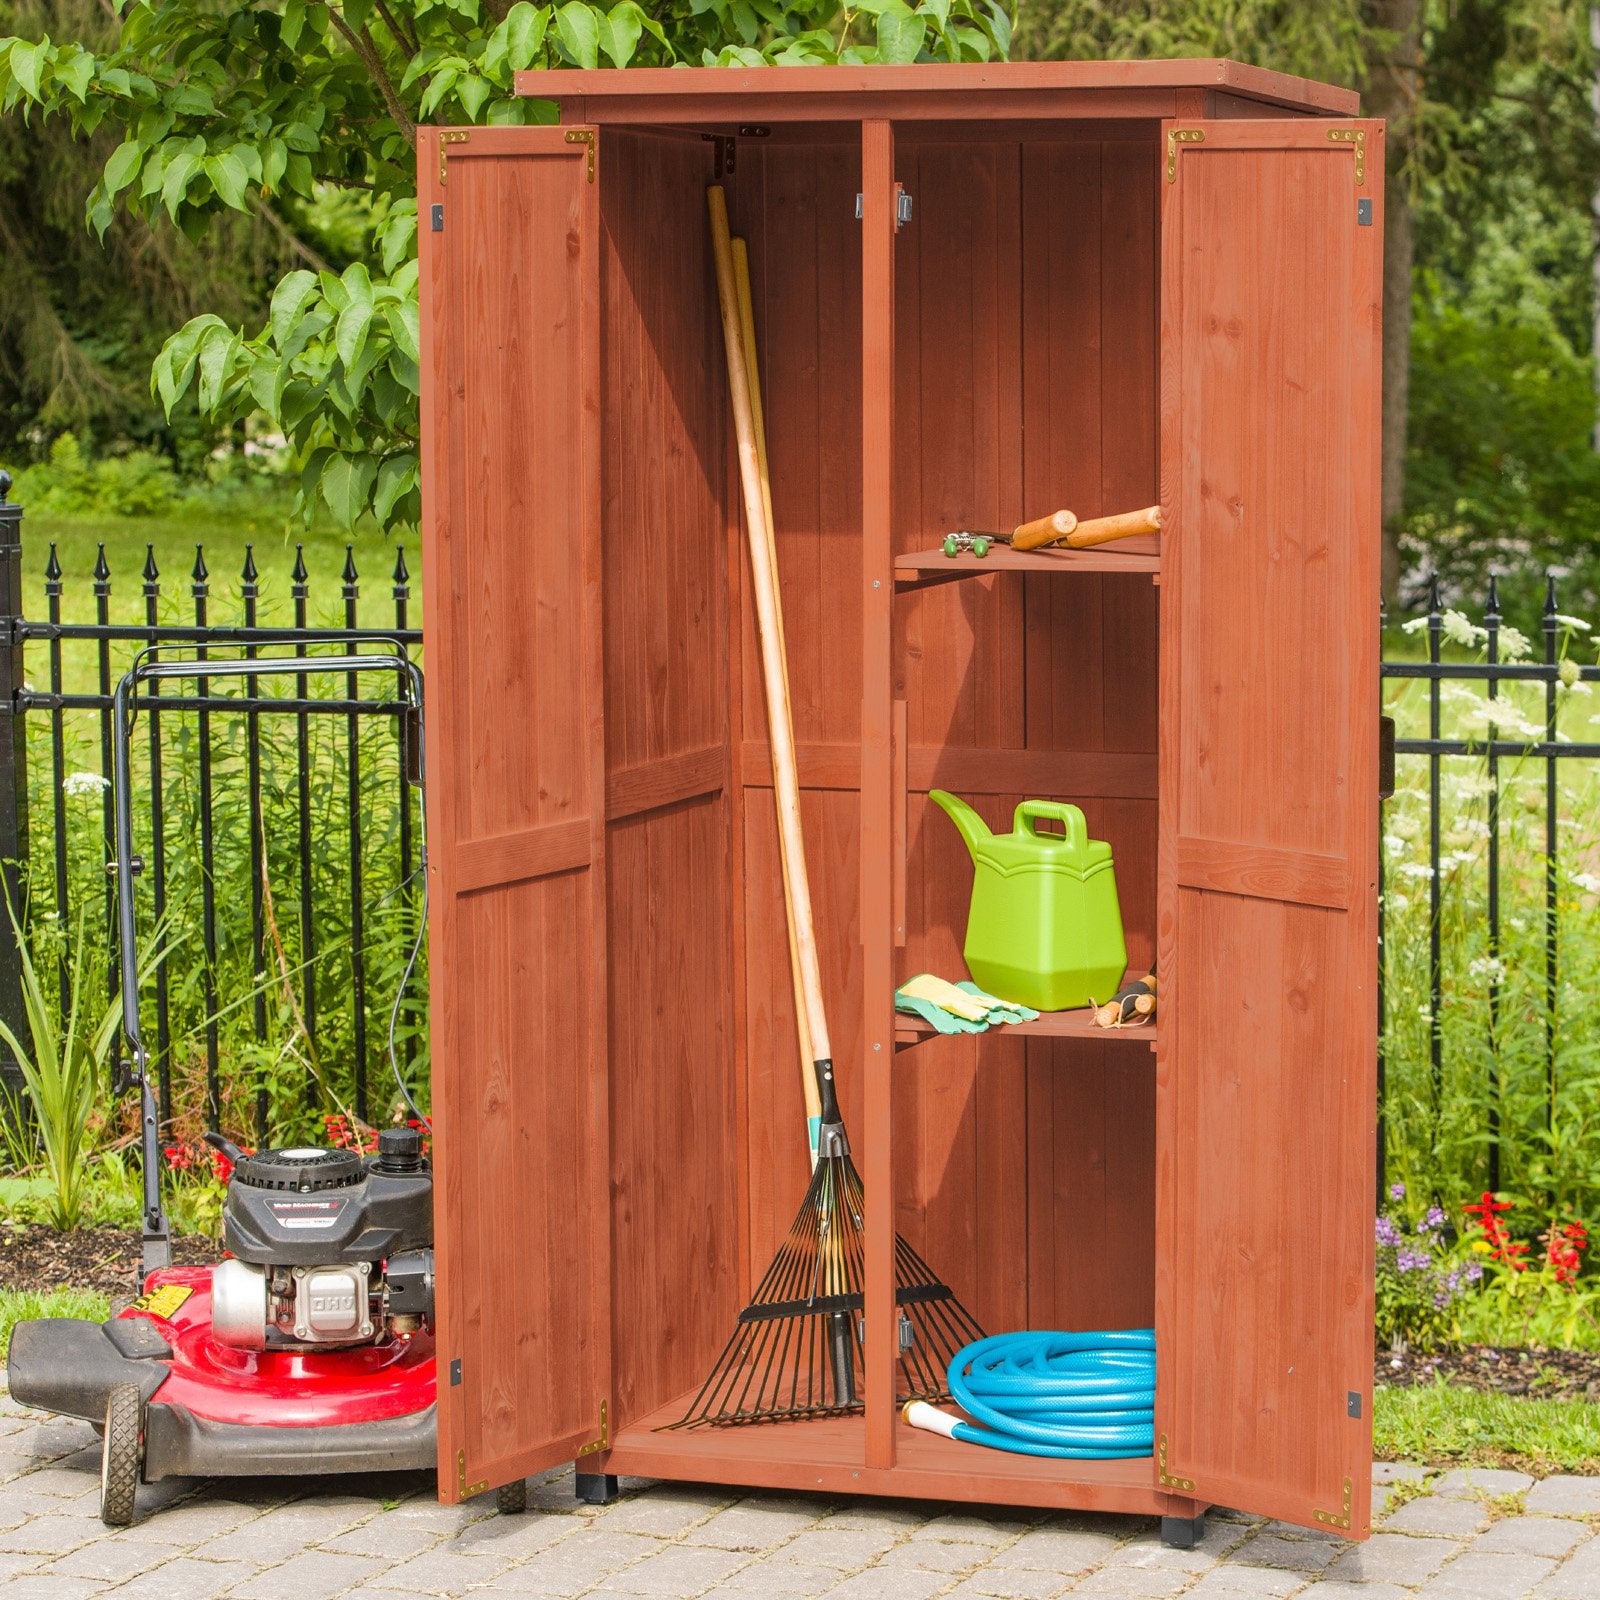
(923, 569)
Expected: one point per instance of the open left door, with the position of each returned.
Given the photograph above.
(516, 816)
(1271, 375)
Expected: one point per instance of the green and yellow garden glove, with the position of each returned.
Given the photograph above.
(918, 998)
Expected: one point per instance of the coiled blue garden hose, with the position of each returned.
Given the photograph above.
(1084, 1396)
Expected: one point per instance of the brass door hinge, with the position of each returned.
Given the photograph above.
(1166, 1478)
(594, 1446)
(463, 1488)
(584, 136)
(1357, 137)
(448, 137)
(1329, 1520)
(1175, 137)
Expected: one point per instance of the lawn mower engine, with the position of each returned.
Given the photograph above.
(326, 1249)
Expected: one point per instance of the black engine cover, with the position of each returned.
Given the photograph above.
(306, 1208)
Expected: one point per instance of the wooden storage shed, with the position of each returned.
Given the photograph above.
(982, 293)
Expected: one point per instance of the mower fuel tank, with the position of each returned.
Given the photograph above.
(317, 1207)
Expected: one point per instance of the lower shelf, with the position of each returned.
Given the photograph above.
(829, 1456)
(909, 1030)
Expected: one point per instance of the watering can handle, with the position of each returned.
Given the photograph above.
(1075, 832)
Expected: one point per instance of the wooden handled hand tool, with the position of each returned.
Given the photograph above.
(1061, 527)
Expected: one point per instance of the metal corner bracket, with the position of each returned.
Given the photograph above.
(1357, 137)
(448, 137)
(463, 1488)
(584, 136)
(1329, 1520)
(1166, 1478)
(595, 1446)
(1175, 137)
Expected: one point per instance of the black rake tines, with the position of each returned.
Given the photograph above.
(795, 1352)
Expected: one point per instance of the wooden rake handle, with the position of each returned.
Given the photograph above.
(1062, 527)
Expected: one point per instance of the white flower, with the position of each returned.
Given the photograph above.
(1396, 901)
(1457, 858)
(1406, 826)
(1586, 880)
(1394, 844)
(1425, 1013)
(1490, 967)
(1568, 671)
(1416, 869)
(1458, 630)
(1571, 622)
(77, 783)
(1514, 645)
(1472, 785)
(1415, 625)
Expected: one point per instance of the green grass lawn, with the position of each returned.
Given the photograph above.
(1443, 1426)
(19, 1305)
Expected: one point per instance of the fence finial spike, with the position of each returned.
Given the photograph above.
(52, 570)
(349, 574)
(402, 573)
(300, 574)
(151, 573)
(102, 572)
(249, 575)
(1549, 594)
(5, 486)
(1491, 606)
(1434, 602)
(201, 572)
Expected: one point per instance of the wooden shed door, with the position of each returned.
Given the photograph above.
(1271, 359)
(510, 361)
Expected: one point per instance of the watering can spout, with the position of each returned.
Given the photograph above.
(973, 829)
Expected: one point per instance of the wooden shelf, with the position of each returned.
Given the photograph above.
(829, 1455)
(910, 1030)
(924, 569)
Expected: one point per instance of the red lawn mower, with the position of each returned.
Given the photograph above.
(309, 1349)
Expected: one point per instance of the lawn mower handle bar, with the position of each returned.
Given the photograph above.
(157, 1249)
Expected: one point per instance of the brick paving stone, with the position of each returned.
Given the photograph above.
(515, 1538)
(677, 1570)
(185, 1579)
(1565, 1497)
(47, 1586)
(64, 1481)
(846, 1548)
(879, 1583)
(51, 1535)
(1532, 1536)
(1487, 1577)
(1241, 1583)
(873, 1515)
(751, 1525)
(1148, 1550)
(1577, 1578)
(1481, 1480)
(966, 1528)
(776, 1575)
(311, 1575)
(1392, 1558)
(1057, 1549)
(1276, 1550)
(382, 1537)
(936, 1555)
(112, 1560)
(1395, 1471)
(1339, 1590)
(445, 1571)
(1127, 1582)
(1012, 1583)
(665, 1513)
(191, 1522)
(572, 1565)
(1454, 1519)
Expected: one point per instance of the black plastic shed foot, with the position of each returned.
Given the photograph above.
(597, 1488)
(1183, 1533)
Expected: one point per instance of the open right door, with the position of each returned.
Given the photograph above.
(1271, 359)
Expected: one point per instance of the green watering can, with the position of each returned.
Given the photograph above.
(1045, 929)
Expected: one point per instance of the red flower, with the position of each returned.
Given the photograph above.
(1564, 1247)
(1503, 1248)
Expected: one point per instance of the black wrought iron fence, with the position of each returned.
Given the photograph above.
(277, 824)
(1488, 903)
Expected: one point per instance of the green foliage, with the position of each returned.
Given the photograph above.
(1463, 1427)
(23, 1305)
(221, 108)
(137, 484)
(65, 1065)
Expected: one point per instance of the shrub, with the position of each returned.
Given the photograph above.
(137, 484)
